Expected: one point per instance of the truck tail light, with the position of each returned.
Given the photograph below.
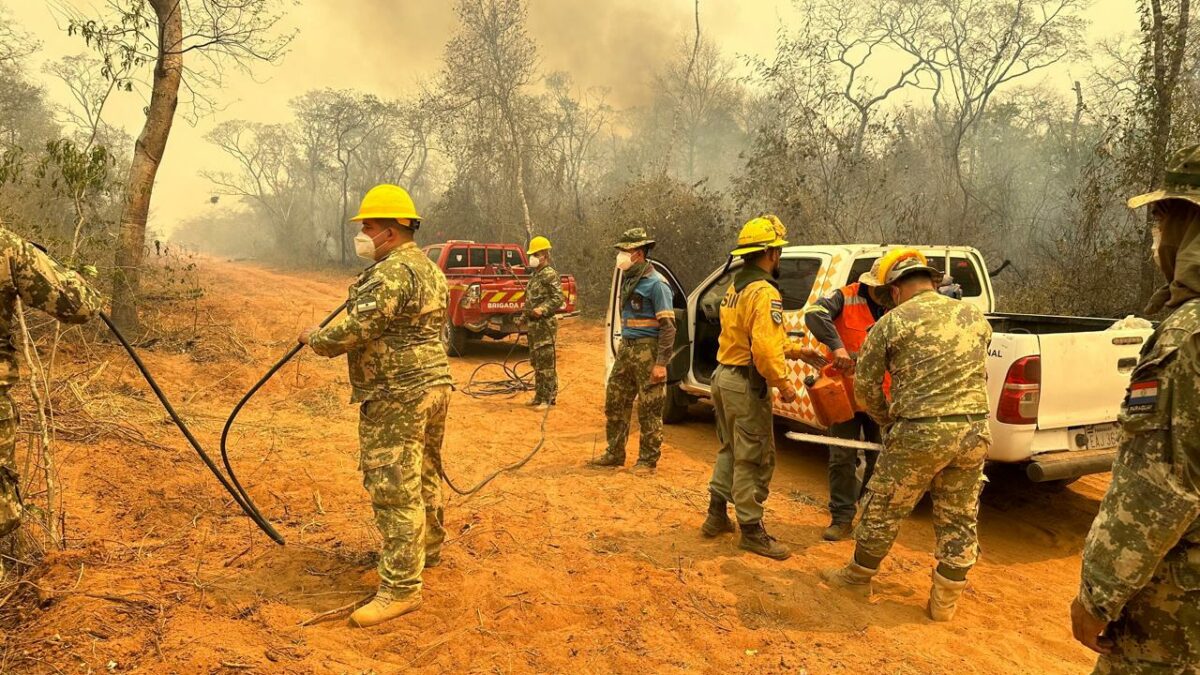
(471, 297)
(1022, 392)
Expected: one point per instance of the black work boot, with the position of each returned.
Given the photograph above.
(608, 459)
(718, 521)
(756, 540)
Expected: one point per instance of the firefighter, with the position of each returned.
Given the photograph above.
(543, 298)
(640, 369)
(840, 322)
(1140, 586)
(751, 355)
(37, 281)
(400, 375)
(936, 428)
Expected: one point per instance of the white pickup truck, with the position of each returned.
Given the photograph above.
(1055, 382)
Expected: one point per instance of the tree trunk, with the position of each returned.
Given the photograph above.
(1166, 59)
(519, 177)
(147, 156)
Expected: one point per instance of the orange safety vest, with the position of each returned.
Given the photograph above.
(855, 320)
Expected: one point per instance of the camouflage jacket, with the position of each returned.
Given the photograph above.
(1150, 515)
(544, 292)
(31, 275)
(392, 328)
(936, 351)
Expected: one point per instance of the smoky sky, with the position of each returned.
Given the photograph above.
(390, 47)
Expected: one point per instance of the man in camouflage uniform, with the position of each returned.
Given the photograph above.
(29, 275)
(647, 345)
(400, 374)
(543, 298)
(936, 430)
(752, 349)
(1139, 596)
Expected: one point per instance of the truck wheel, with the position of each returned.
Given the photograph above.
(675, 410)
(454, 339)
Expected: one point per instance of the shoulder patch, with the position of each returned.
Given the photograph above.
(777, 317)
(777, 305)
(1143, 397)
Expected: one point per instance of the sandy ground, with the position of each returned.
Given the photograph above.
(557, 568)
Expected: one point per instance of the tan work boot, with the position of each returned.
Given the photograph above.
(943, 597)
(756, 540)
(384, 608)
(853, 578)
(838, 532)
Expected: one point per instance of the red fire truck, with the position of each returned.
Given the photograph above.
(487, 291)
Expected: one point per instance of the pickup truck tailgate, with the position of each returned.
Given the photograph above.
(1084, 376)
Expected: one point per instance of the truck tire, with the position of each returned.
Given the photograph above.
(454, 339)
(675, 409)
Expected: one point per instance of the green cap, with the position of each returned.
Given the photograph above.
(910, 266)
(1182, 180)
(634, 238)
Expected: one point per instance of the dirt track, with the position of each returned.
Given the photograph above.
(558, 568)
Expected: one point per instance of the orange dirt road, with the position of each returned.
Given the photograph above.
(556, 568)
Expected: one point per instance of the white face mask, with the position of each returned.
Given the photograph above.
(535, 261)
(624, 260)
(364, 246)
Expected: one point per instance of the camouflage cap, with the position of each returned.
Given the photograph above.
(910, 266)
(634, 238)
(871, 278)
(1182, 180)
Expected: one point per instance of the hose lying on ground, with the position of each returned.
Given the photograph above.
(239, 496)
(514, 382)
(524, 381)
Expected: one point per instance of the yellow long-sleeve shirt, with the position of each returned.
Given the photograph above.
(752, 326)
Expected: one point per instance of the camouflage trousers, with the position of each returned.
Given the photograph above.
(943, 458)
(629, 380)
(11, 506)
(745, 426)
(401, 450)
(1159, 629)
(543, 334)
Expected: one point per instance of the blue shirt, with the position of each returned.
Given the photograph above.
(652, 299)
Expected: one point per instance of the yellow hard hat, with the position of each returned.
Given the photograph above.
(759, 234)
(538, 244)
(888, 261)
(386, 201)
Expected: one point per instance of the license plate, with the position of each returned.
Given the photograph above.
(1102, 436)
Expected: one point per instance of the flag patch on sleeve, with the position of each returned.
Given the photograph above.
(1143, 397)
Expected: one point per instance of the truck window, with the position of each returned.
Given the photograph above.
(796, 278)
(495, 256)
(457, 257)
(966, 275)
(513, 258)
(860, 267)
(434, 253)
(478, 257)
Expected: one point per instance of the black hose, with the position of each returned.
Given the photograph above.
(239, 496)
(514, 382)
(511, 467)
(242, 403)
